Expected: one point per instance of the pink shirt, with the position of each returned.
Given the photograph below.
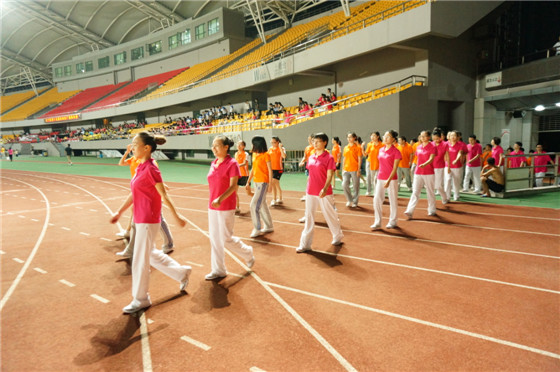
(516, 162)
(218, 181)
(386, 161)
(464, 147)
(441, 149)
(423, 154)
(539, 161)
(472, 151)
(497, 154)
(145, 197)
(318, 167)
(453, 153)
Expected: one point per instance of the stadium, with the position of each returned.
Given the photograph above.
(472, 285)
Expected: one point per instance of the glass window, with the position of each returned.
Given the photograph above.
(58, 72)
(154, 48)
(80, 68)
(120, 58)
(173, 41)
(186, 37)
(137, 53)
(89, 66)
(103, 62)
(68, 70)
(213, 26)
(199, 32)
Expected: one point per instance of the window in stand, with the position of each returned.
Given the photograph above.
(103, 62)
(213, 26)
(186, 37)
(199, 32)
(68, 70)
(89, 66)
(137, 53)
(154, 48)
(58, 72)
(173, 41)
(80, 68)
(120, 58)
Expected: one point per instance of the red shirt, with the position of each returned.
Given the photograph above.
(472, 151)
(145, 197)
(318, 167)
(497, 153)
(516, 162)
(541, 160)
(441, 149)
(423, 154)
(218, 181)
(386, 161)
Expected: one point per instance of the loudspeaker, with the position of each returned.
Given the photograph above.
(518, 114)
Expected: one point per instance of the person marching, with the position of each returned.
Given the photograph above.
(261, 173)
(241, 157)
(147, 192)
(389, 159)
(371, 152)
(321, 166)
(277, 154)
(68, 150)
(440, 159)
(306, 153)
(453, 176)
(336, 153)
(352, 162)
(472, 172)
(223, 183)
(423, 175)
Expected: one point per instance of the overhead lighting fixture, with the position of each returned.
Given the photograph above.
(557, 104)
(539, 108)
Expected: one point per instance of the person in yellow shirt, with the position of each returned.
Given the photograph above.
(277, 154)
(404, 164)
(352, 162)
(372, 150)
(261, 173)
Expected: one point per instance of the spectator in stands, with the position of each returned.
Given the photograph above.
(442, 156)
(337, 156)
(247, 107)
(389, 158)
(271, 109)
(497, 152)
(261, 172)
(474, 151)
(321, 168)
(372, 167)
(520, 161)
(277, 154)
(404, 164)
(331, 95)
(496, 183)
(242, 160)
(540, 161)
(147, 194)
(351, 171)
(557, 47)
(222, 182)
(68, 150)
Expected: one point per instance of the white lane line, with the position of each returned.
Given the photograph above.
(5, 191)
(85, 233)
(23, 197)
(237, 275)
(100, 299)
(420, 321)
(256, 369)
(54, 203)
(21, 216)
(18, 260)
(149, 321)
(107, 240)
(65, 228)
(79, 208)
(194, 264)
(33, 199)
(34, 220)
(51, 224)
(66, 192)
(93, 210)
(146, 352)
(2, 252)
(40, 270)
(343, 362)
(196, 343)
(66, 282)
(60, 206)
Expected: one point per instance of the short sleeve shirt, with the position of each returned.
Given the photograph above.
(335, 151)
(441, 149)
(145, 197)
(386, 161)
(133, 163)
(218, 178)
(497, 153)
(539, 161)
(406, 151)
(423, 154)
(415, 157)
(472, 151)
(260, 168)
(275, 158)
(351, 156)
(453, 153)
(241, 156)
(516, 162)
(308, 151)
(318, 166)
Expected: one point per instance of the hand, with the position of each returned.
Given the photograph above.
(422, 165)
(454, 162)
(386, 185)
(358, 173)
(301, 163)
(166, 187)
(129, 147)
(216, 203)
(181, 220)
(322, 193)
(115, 217)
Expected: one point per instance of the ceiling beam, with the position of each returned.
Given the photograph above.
(34, 66)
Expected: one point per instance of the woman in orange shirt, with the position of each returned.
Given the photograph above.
(261, 173)
(352, 163)
(336, 154)
(277, 154)
(372, 150)
(241, 157)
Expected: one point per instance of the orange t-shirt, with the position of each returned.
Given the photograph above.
(309, 150)
(336, 152)
(275, 158)
(484, 157)
(133, 163)
(241, 156)
(351, 156)
(405, 150)
(414, 147)
(260, 168)
(372, 152)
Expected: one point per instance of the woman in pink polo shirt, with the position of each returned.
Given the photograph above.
(389, 158)
(540, 162)
(222, 182)
(423, 175)
(519, 161)
(147, 193)
(454, 166)
(497, 152)
(321, 166)
(472, 171)
(439, 163)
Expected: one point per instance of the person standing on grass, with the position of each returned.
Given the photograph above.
(223, 183)
(352, 162)
(68, 150)
(321, 166)
(277, 154)
(242, 160)
(424, 175)
(147, 192)
(261, 173)
(336, 153)
(389, 159)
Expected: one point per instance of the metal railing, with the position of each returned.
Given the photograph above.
(523, 179)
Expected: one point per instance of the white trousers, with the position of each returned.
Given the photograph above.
(351, 196)
(439, 184)
(313, 202)
(453, 179)
(472, 173)
(165, 233)
(422, 180)
(371, 179)
(380, 197)
(404, 173)
(539, 177)
(146, 254)
(259, 207)
(220, 229)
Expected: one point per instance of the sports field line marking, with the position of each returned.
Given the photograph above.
(99, 298)
(20, 216)
(59, 206)
(93, 210)
(6, 191)
(149, 321)
(107, 240)
(256, 369)
(79, 208)
(18, 260)
(40, 270)
(66, 282)
(34, 220)
(19, 276)
(194, 264)
(196, 343)
(343, 362)
(2, 252)
(420, 321)
(66, 228)
(85, 233)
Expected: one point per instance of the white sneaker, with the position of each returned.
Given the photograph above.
(279, 201)
(375, 226)
(302, 250)
(354, 205)
(123, 234)
(336, 242)
(348, 204)
(408, 215)
(237, 210)
(136, 306)
(302, 220)
(124, 254)
(213, 276)
(273, 203)
(185, 280)
(390, 226)
(303, 198)
(251, 262)
(266, 231)
(445, 201)
(432, 214)
(255, 233)
(167, 249)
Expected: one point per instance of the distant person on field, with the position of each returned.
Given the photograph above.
(68, 150)
(495, 184)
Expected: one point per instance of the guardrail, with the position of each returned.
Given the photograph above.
(523, 180)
